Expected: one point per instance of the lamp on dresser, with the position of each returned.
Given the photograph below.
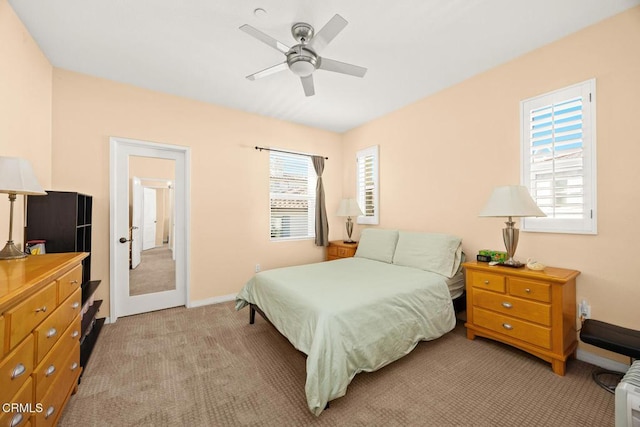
(16, 177)
(509, 201)
(349, 208)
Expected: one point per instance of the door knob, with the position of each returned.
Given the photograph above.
(124, 240)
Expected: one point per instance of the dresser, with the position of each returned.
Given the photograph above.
(40, 318)
(534, 311)
(338, 249)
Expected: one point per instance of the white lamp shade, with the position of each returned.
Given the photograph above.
(349, 207)
(511, 200)
(17, 177)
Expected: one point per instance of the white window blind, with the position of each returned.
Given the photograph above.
(292, 183)
(367, 191)
(558, 147)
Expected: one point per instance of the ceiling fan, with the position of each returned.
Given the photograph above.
(304, 58)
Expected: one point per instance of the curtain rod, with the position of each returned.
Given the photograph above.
(288, 152)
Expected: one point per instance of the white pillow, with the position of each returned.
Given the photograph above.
(439, 253)
(377, 244)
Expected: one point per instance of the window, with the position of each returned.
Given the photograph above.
(367, 191)
(559, 159)
(292, 198)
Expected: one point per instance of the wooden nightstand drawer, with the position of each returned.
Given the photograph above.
(27, 315)
(509, 326)
(516, 307)
(15, 369)
(488, 281)
(338, 249)
(538, 291)
(25, 397)
(346, 252)
(69, 283)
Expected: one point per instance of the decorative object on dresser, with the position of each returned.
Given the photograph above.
(534, 311)
(40, 310)
(16, 177)
(338, 249)
(510, 201)
(64, 220)
(349, 208)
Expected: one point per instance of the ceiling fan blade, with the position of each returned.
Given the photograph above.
(265, 38)
(268, 71)
(307, 84)
(330, 30)
(341, 67)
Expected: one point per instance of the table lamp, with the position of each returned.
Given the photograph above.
(16, 177)
(349, 208)
(511, 201)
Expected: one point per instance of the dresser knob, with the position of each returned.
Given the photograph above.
(74, 366)
(50, 411)
(75, 334)
(41, 309)
(73, 282)
(528, 290)
(16, 420)
(50, 370)
(18, 370)
(507, 326)
(507, 304)
(52, 332)
(75, 305)
(486, 282)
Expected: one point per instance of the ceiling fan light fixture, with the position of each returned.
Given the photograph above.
(301, 67)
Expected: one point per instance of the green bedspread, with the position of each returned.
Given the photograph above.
(350, 315)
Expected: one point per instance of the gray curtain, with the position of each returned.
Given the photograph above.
(322, 225)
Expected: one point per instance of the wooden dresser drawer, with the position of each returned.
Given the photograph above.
(50, 330)
(69, 283)
(514, 328)
(28, 314)
(530, 289)
(2, 344)
(516, 307)
(24, 397)
(15, 369)
(52, 365)
(492, 282)
(53, 401)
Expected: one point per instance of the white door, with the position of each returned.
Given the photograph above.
(122, 302)
(136, 222)
(150, 216)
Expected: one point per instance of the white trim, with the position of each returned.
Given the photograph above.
(212, 300)
(600, 361)
(115, 143)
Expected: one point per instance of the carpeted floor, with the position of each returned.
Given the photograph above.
(155, 273)
(208, 367)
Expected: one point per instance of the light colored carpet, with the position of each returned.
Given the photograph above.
(155, 273)
(207, 366)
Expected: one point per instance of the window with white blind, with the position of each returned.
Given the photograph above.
(367, 187)
(559, 159)
(292, 198)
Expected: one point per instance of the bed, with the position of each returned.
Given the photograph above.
(362, 313)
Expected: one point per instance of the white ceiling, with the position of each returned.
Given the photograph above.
(193, 48)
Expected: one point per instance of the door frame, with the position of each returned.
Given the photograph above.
(182, 209)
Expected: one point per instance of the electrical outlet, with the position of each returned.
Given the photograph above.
(584, 309)
(257, 268)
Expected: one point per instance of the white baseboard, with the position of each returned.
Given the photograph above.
(212, 300)
(600, 361)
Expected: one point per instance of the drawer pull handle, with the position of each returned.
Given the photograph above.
(50, 411)
(75, 334)
(50, 370)
(16, 420)
(73, 282)
(486, 282)
(74, 366)
(18, 370)
(507, 305)
(75, 305)
(52, 332)
(527, 290)
(41, 309)
(507, 326)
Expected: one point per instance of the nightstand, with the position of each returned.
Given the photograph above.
(338, 249)
(534, 311)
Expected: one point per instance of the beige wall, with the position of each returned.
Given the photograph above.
(25, 110)
(229, 179)
(441, 157)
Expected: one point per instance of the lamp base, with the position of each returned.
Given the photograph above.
(10, 251)
(350, 242)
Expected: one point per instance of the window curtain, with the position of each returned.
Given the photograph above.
(322, 224)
